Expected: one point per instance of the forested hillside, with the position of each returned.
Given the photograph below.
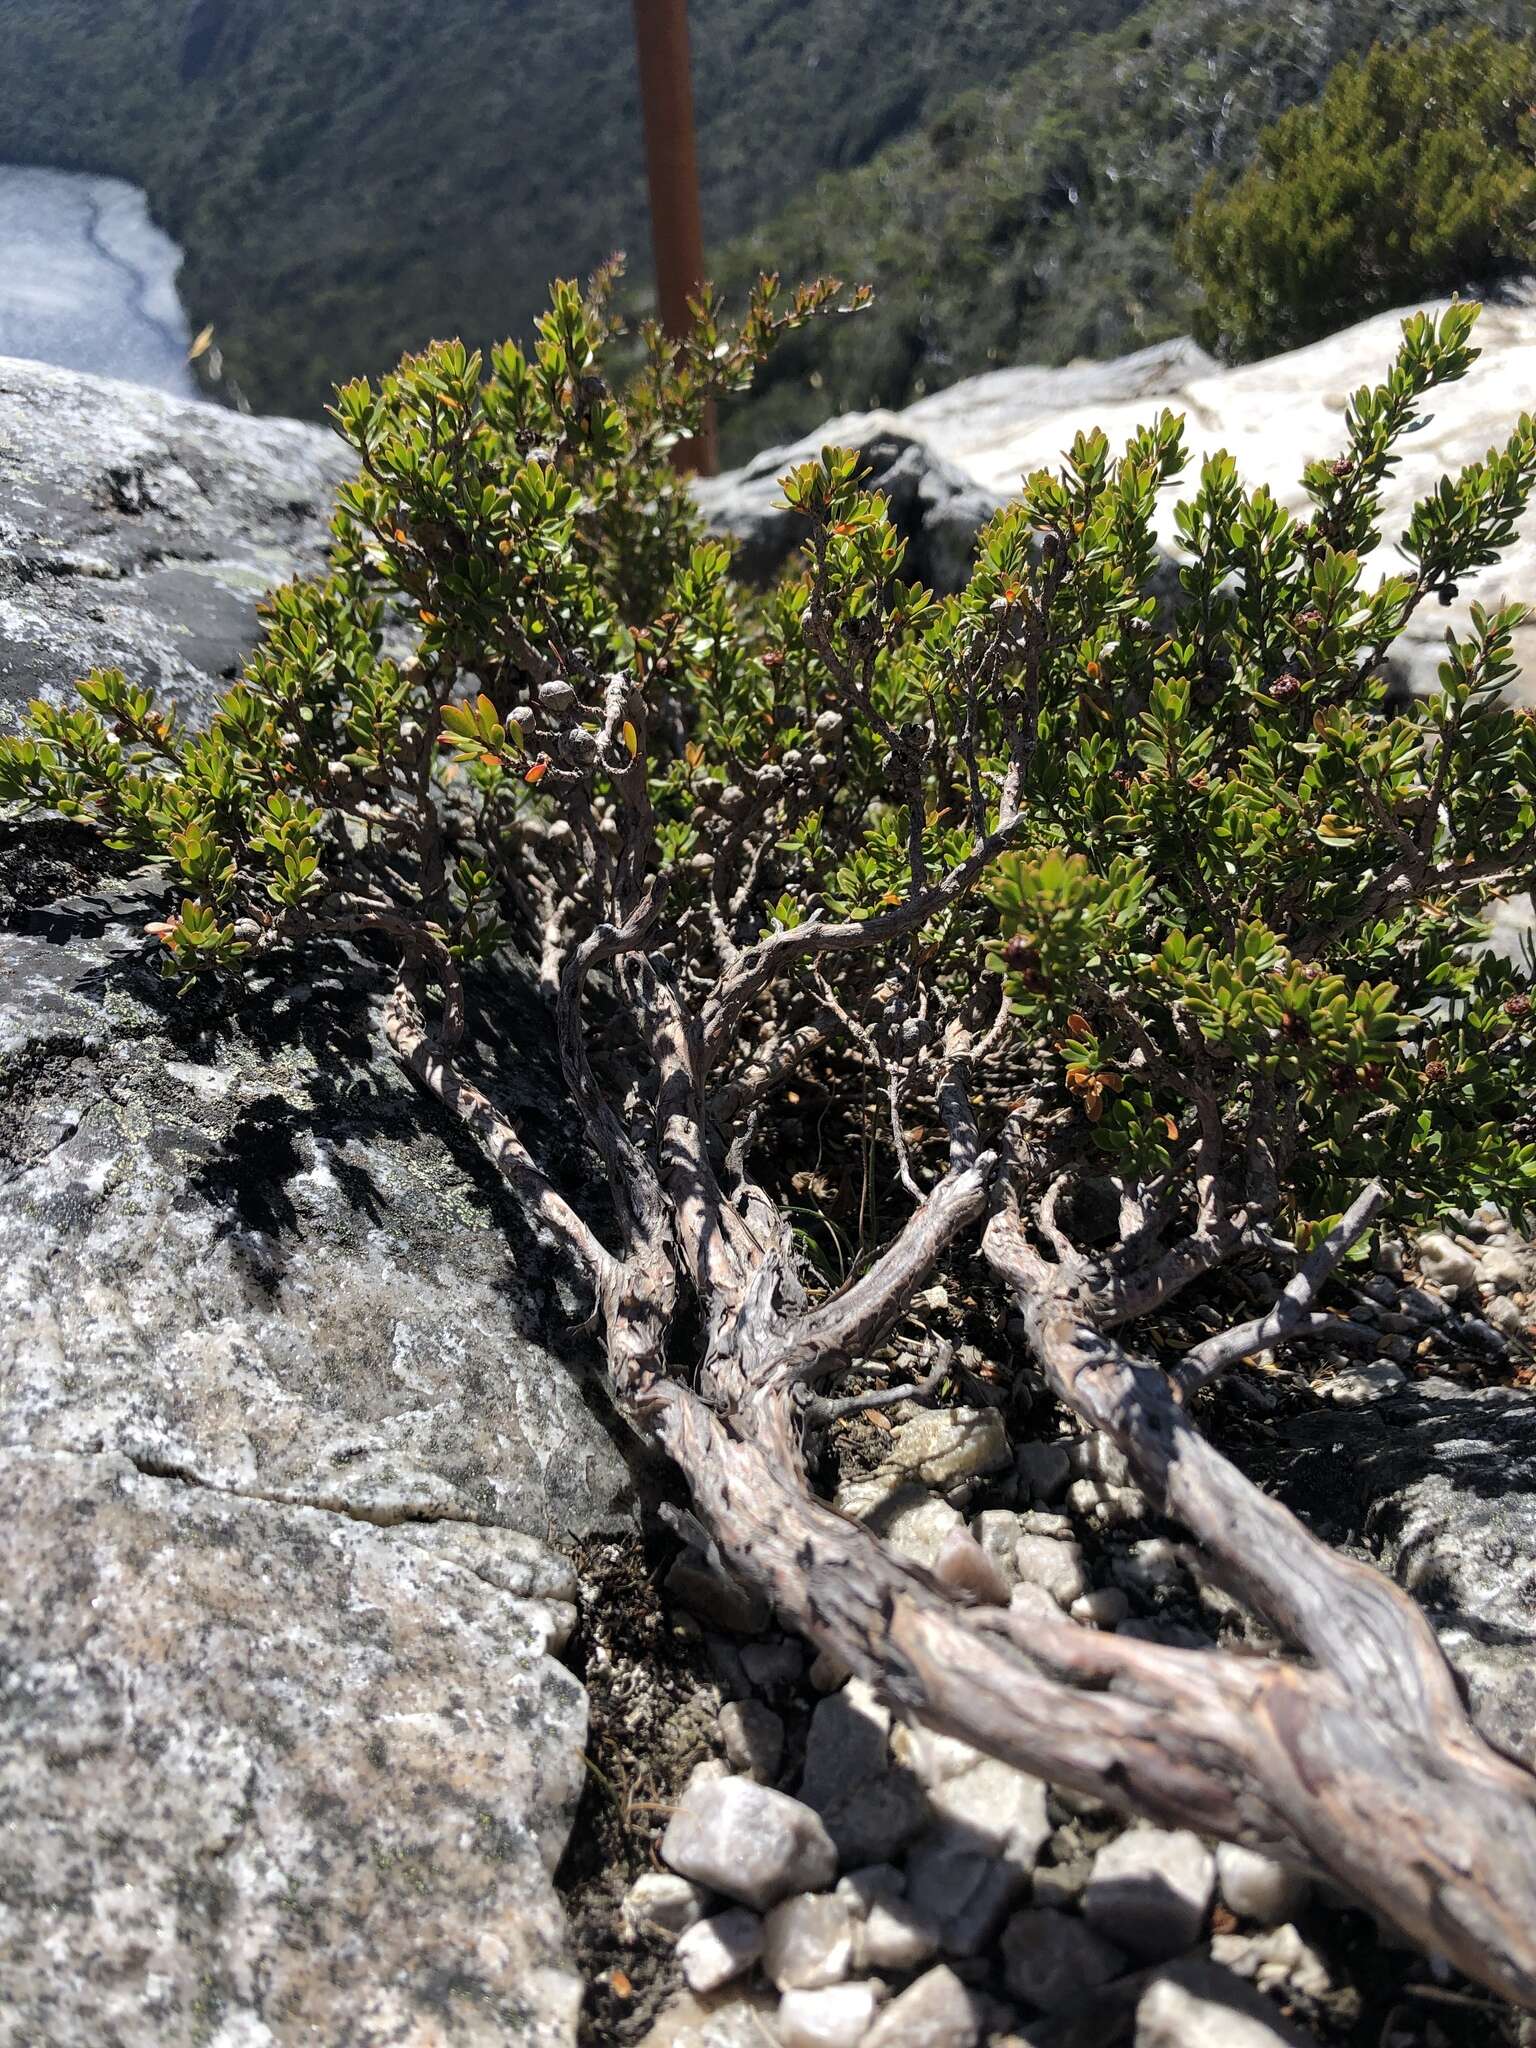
(351, 177)
(1035, 219)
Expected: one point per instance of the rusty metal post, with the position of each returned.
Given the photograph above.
(672, 168)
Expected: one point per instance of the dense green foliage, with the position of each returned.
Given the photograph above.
(1415, 173)
(352, 181)
(1036, 220)
(1228, 890)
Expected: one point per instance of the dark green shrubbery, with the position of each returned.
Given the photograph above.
(1152, 929)
(1415, 173)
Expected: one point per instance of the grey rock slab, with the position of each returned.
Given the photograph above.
(755, 1845)
(1150, 1890)
(1196, 2005)
(1439, 1484)
(239, 1247)
(936, 508)
(139, 531)
(271, 1774)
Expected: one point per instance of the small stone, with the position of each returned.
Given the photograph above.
(828, 1672)
(997, 1807)
(1061, 1883)
(874, 1881)
(1099, 1457)
(998, 1530)
(1398, 1349)
(916, 1523)
(1051, 1959)
(1058, 1568)
(1034, 1603)
(1506, 1317)
(1106, 1506)
(1359, 1385)
(1104, 1608)
(965, 1567)
(1150, 1566)
(1420, 1307)
(868, 1809)
(661, 1903)
(966, 1893)
(1388, 1257)
(1445, 1262)
(772, 1666)
(808, 1941)
(1045, 1470)
(1044, 1522)
(1278, 1961)
(838, 2016)
(1150, 1891)
(714, 1951)
(1258, 1887)
(753, 1844)
(722, 1602)
(754, 1739)
(1198, 2006)
(935, 2012)
(950, 1444)
(710, 1770)
(895, 1935)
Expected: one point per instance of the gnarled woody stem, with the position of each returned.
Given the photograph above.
(1361, 1766)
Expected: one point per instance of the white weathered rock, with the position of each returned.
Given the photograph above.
(714, 1951)
(274, 1763)
(1257, 1886)
(970, 443)
(1057, 1568)
(1280, 1961)
(753, 1736)
(910, 1518)
(1444, 1262)
(748, 1841)
(1052, 1959)
(1106, 1607)
(1194, 2005)
(1150, 1890)
(935, 2012)
(1357, 1386)
(1504, 1268)
(1507, 1316)
(895, 1935)
(838, 2016)
(659, 1902)
(949, 1444)
(988, 1803)
(808, 1941)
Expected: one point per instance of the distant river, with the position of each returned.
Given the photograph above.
(88, 281)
